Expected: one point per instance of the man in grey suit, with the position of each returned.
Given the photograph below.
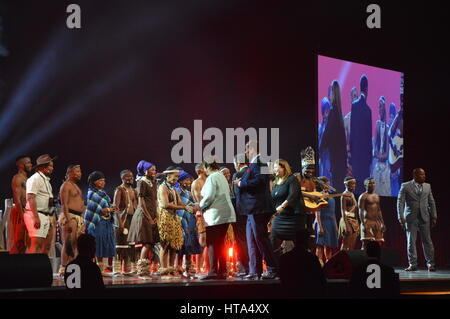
(416, 210)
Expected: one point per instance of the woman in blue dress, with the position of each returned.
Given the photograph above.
(191, 245)
(325, 227)
(98, 218)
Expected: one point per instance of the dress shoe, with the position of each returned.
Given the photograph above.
(251, 277)
(411, 268)
(431, 268)
(269, 275)
(211, 276)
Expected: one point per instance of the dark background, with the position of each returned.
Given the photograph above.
(110, 94)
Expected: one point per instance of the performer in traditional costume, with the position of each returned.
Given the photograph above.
(325, 226)
(308, 185)
(169, 224)
(143, 228)
(98, 218)
(71, 219)
(125, 199)
(349, 224)
(372, 223)
(191, 245)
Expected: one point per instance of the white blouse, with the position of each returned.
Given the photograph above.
(216, 203)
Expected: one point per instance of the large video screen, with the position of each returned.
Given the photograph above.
(360, 119)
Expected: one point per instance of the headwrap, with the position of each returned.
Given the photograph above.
(326, 105)
(96, 201)
(142, 167)
(171, 169)
(94, 176)
(392, 109)
(348, 179)
(183, 175)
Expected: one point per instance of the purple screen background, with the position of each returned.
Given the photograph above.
(381, 82)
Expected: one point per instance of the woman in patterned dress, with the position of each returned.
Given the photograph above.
(169, 224)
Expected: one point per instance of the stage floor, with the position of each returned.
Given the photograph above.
(118, 280)
(423, 274)
(417, 282)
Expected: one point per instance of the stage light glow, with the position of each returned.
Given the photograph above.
(34, 81)
(344, 72)
(64, 55)
(230, 252)
(72, 110)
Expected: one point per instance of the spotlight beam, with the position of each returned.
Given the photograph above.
(72, 110)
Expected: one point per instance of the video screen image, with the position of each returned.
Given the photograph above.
(360, 119)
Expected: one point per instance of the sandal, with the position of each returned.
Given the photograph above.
(62, 270)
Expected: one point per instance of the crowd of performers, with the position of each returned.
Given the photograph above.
(171, 224)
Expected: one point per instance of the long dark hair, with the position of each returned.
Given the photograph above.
(334, 137)
(336, 101)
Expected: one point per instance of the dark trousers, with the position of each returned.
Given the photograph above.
(240, 238)
(259, 245)
(311, 244)
(215, 241)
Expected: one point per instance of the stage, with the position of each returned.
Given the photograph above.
(420, 283)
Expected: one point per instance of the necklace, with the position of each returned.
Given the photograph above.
(172, 191)
(148, 181)
(128, 198)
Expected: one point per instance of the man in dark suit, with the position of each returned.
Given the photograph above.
(361, 136)
(254, 200)
(416, 211)
(240, 164)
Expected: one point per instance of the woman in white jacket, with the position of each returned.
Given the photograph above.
(218, 213)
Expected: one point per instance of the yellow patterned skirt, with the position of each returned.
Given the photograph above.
(170, 230)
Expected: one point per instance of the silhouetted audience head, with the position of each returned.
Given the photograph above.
(373, 250)
(300, 271)
(86, 246)
(388, 281)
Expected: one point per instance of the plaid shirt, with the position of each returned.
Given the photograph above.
(96, 201)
